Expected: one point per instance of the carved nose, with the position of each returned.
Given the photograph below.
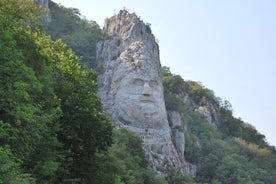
(146, 90)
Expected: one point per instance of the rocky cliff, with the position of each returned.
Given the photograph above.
(44, 3)
(131, 90)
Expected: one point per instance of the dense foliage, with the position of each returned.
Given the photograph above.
(129, 161)
(231, 151)
(52, 127)
(78, 33)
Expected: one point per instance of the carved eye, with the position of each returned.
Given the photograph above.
(138, 82)
(153, 83)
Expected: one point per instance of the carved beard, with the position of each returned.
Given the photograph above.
(132, 111)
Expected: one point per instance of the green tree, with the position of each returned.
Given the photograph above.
(130, 164)
(175, 176)
(233, 169)
(85, 130)
(22, 15)
(51, 117)
(78, 33)
(28, 106)
(10, 169)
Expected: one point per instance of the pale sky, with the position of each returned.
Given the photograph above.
(227, 45)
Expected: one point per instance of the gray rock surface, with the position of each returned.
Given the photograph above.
(177, 127)
(131, 90)
(210, 113)
(206, 113)
(46, 18)
(44, 3)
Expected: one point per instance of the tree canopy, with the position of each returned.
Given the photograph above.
(231, 151)
(52, 123)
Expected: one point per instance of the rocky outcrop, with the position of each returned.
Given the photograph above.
(45, 16)
(177, 127)
(210, 113)
(44, 3)
(131, 90)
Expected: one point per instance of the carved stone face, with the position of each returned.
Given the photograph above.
(139, 100)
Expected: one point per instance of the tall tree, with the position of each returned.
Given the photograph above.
(51, 118)
(78, 33)
(85, 130)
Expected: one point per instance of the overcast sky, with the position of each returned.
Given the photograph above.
(227, 45)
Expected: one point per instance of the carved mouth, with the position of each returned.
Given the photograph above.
(146, 99)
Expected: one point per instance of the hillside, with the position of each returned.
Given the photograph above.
(227, 149)
(53, 128)
(79, 34)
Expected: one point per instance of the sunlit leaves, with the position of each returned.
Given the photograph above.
(22, 14)
(79, 34)
(45, 94)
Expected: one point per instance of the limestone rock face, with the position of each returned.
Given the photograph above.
(45, 16)
(44, 3)
(131, 90)
(210, 113)
(178, 131)
(206, 113)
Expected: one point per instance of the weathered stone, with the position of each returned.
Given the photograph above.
(210, 113)
(206, 113)
(177, 127)
(45, 16)
(43, 3)
(130, 87)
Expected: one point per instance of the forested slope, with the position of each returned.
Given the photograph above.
(80, 34)
(53, 128)
(227, 150)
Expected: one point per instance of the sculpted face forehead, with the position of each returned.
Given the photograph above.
(134, 74)
(137, 62)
